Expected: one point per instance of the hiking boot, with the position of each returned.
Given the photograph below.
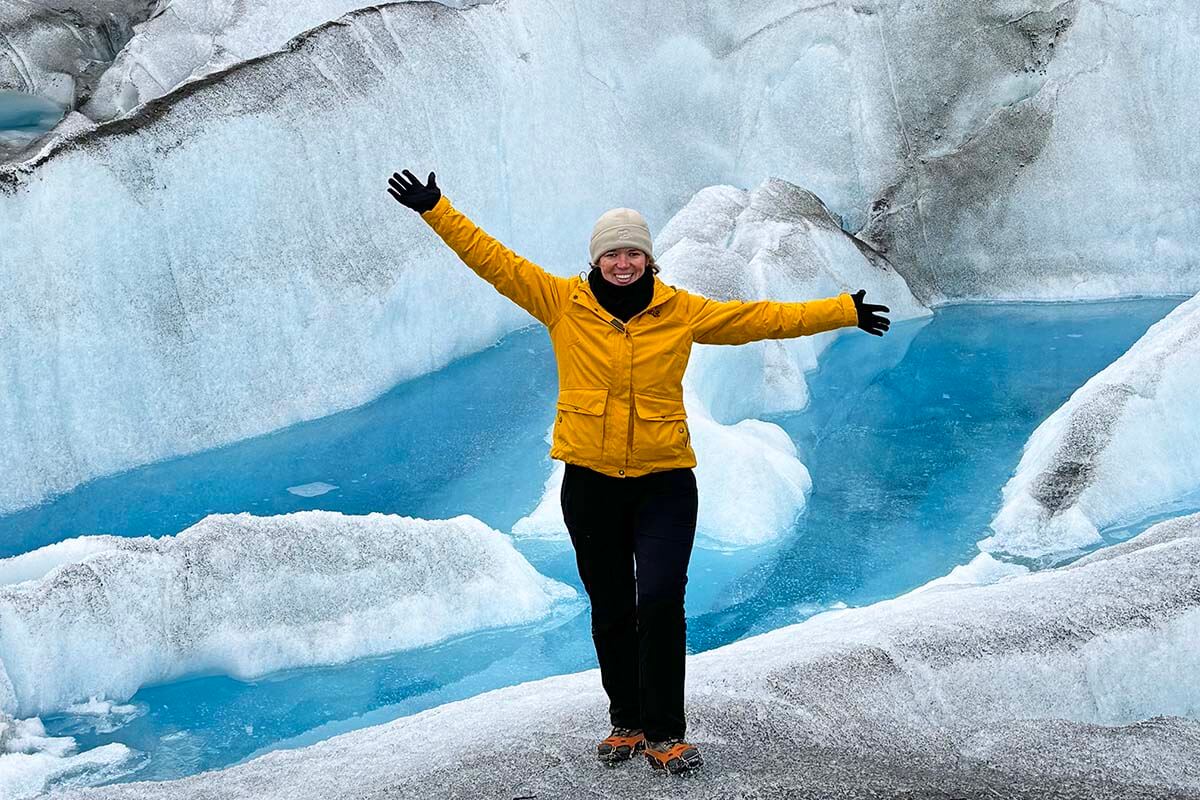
(674, 755)
(621, 745)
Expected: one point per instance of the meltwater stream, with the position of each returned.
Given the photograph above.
(907, 473)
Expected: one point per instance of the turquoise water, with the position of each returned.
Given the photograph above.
(20, 111)
(908, 449)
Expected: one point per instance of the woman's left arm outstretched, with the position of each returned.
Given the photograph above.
(740, 321)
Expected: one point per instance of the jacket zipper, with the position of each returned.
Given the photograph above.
(632, 410)
(632, 406)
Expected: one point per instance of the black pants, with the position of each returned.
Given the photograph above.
(633, 540)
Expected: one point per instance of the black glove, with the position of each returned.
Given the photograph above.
(410, 192)
(868, 319)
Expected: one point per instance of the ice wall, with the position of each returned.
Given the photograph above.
(246, 595)
(1073, 682)
(1124, 447)
(224, 262)
(967, 137)
(1047, 148)
(777, 241)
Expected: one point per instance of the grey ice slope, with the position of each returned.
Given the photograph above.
(1070, 683)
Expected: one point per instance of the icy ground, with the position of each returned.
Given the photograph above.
(1075, 682)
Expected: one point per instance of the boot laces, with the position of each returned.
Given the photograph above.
(664, 745)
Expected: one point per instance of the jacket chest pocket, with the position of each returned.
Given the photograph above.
(579, 423)
(660, 431)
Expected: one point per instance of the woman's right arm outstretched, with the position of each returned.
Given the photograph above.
(519, 279)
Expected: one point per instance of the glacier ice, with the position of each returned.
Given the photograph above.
(246, 595)
(1071, 682)
(1043, 150)
(964, 139)
(180, 277)
(1124, 447)
(979, 571)
(777, 241)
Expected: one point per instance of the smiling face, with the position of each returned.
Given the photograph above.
(622, 266)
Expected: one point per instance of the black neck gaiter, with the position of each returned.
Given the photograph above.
(622, 301)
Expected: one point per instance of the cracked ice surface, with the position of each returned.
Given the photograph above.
(777, 242)
(1067, 683)
(246, 595)
(1124, 447)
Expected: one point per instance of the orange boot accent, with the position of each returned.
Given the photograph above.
(674, 755)
(621, 745)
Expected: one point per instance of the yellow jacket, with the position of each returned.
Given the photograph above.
(620, 396)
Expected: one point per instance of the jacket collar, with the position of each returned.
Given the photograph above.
(583, 295)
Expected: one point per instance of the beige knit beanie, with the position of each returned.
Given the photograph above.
(620, 227)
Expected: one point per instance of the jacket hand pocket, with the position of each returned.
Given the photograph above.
(579, 424)
(660, 432)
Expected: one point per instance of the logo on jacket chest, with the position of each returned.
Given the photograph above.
(655, 312)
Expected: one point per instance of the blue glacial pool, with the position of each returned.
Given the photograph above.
(909, 440)
(26, 115)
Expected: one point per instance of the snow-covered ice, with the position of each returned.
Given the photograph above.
(1069, 683)
(983, 569)
(779, 242)
(1124, 447)
(246, 595)
(30, 761)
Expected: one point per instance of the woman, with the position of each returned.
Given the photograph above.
(621, 341)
